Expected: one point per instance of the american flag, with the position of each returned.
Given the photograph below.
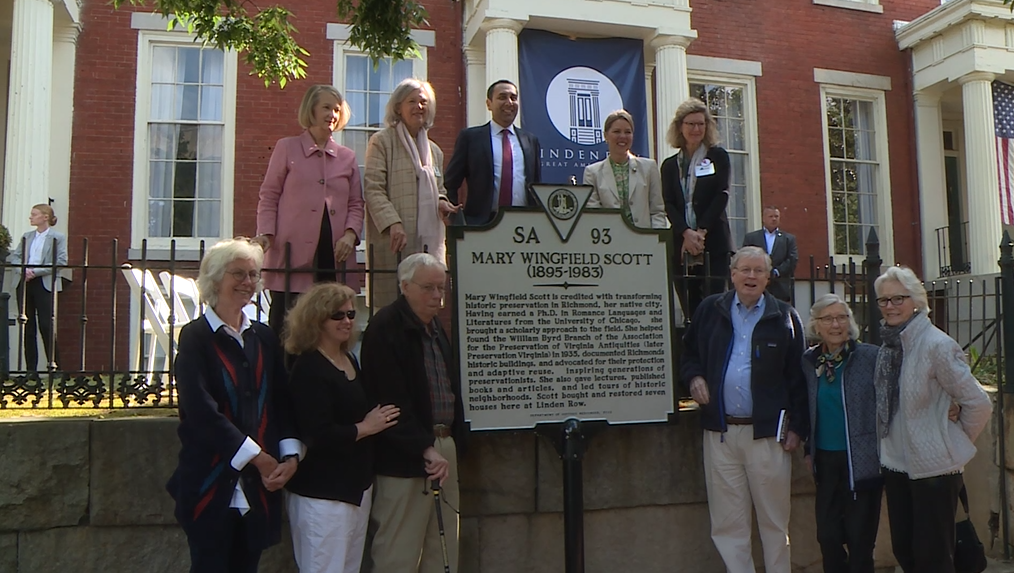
(1003, 115)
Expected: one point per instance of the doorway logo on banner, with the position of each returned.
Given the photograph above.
(571, 86)
(578, 101)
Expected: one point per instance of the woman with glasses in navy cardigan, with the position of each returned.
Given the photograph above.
(238, 441)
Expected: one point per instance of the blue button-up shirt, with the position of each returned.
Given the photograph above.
(736, 392)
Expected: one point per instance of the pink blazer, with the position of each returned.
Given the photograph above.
(302, 180)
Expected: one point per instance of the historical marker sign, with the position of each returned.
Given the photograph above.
(563, 313)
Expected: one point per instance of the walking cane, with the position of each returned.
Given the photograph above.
(440, 525)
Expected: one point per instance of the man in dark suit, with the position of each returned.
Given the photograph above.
(781, 247)
(479, 158)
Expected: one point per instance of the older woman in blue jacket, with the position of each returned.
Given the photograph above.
(841, 449)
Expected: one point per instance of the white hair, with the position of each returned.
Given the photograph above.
(817, 310)
(392, 114)
(750, 253)
(220, 256)
(412, 263)
(909, 281)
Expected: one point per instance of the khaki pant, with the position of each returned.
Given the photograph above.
(737, 469)
(407, 538)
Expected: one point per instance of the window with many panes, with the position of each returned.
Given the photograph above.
(728, 105)
(367, 89)
(854, 170)
(185, 121)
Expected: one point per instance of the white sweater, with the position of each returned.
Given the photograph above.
(934, 373)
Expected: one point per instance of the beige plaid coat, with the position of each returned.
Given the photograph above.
(391, 190)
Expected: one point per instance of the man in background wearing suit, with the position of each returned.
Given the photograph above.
(781, 247)
(499, 161)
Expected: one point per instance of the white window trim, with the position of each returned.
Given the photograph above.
(861, 5)
(342, 32)
(754, 203)
(139, 207)
(341, 49)
(852, 79)
(885, 213)
(338, 33)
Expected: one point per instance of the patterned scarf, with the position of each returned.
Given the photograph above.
(888, 374)
(828, 362)
(689, 165)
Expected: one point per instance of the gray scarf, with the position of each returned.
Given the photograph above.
(888, 375)
(690, 182)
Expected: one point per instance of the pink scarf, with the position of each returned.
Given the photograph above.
(429, 227)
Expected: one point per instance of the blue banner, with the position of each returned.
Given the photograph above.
(568, 87)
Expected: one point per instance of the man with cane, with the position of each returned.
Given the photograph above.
(408, 362)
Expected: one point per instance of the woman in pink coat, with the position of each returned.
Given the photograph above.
(312, 200)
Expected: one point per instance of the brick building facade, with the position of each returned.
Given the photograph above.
(783, 67)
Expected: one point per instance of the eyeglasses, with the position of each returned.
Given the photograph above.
(341, 314)
(241, 275)
(694, 124)
(757, 272)
(895, 300)
(829, 320)
(431, 289)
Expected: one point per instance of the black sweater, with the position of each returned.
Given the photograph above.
(328, 405)
(226, 394)
(395, 373)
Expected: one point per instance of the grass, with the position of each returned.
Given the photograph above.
(24, 412)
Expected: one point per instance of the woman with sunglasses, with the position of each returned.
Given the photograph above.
(920, 372)
(329, 499)
(841, 450)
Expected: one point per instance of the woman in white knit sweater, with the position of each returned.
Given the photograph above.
(920, 372)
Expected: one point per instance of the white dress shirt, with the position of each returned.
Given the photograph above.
(518, 194)
(769, 239)
(249, 448)
(35, 250)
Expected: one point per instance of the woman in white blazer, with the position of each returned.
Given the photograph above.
(37, 283)
(624, 181)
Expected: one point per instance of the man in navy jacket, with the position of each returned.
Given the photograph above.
(742, 365)
(479, 159)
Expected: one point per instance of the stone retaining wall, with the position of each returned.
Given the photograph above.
(88, 495)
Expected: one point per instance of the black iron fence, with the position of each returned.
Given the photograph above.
(968, 309)
(116, 323)
(953, 250)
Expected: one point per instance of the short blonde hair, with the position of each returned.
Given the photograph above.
(304, 323)
(312, 97)
(693, 105)
(617, 115)
(822, 304)
(48, 212)
(220, 256)
(392, 115)
(908, 280)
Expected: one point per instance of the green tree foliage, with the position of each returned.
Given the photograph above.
(381, 28)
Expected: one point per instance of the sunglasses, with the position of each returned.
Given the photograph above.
(341, 314)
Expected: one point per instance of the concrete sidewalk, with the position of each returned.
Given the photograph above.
(999, 566)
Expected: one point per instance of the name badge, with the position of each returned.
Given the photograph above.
(704, 168)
